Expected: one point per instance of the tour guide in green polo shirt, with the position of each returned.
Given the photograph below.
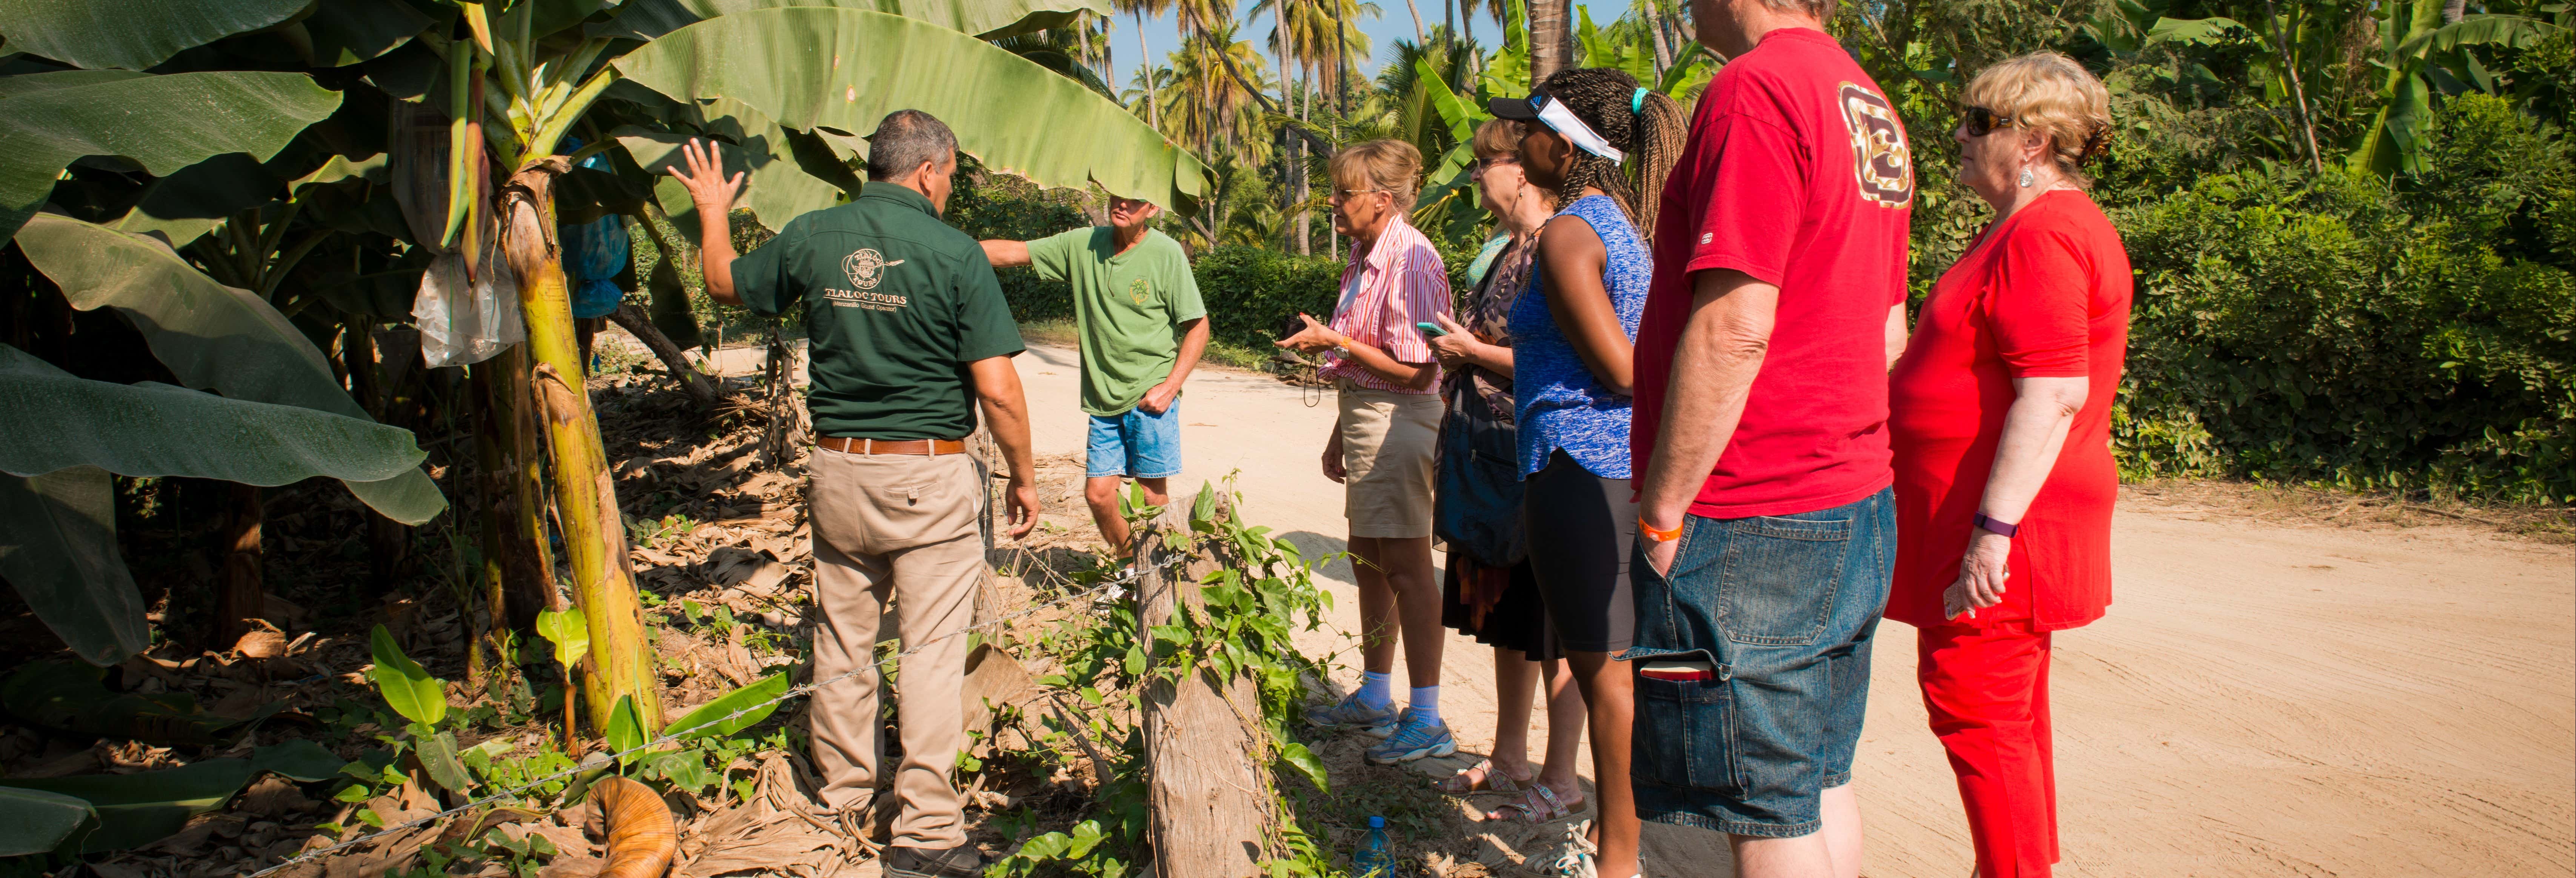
(906, 322)
(1136, 308)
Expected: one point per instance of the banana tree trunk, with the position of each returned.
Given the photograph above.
(244, 597)
(621, 663)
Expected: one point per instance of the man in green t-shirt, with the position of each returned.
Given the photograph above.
(909, 332)
(1136, 308)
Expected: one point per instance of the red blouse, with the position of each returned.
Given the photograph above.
(2044, 294)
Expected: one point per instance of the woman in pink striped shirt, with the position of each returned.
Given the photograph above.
(1382, 447)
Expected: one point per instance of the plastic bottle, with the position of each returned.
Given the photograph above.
(1373, 859)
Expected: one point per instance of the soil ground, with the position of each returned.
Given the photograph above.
(2280, 689)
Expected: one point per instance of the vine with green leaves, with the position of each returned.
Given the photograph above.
(1251, 607)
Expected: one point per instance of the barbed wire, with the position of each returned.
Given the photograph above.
(608, 759)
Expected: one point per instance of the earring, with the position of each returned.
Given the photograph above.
(2025, 178)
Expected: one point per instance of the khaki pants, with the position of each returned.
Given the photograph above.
(901, 526)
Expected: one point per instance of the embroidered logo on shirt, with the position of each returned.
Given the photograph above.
(1881, 161)
(864, 267)
(1136, 289)
(1705, 237)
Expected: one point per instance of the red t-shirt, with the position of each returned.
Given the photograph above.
(2044, 294)
(1798, 174)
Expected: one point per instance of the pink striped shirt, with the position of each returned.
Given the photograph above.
(1398, 283)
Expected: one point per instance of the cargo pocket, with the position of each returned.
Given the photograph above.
(1777, 577)
(1685, 734)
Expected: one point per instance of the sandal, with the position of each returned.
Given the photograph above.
(1489, 779)
(1536, 807)
(1573, 858)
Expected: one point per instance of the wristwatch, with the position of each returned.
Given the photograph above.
(1997, 526)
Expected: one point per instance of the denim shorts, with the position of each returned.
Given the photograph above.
(1133, 443)
(1784, 607)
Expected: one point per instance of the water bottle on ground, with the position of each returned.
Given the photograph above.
(1373, 859)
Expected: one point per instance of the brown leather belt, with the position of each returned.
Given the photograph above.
(858, 445)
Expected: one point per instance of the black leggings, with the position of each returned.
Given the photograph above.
(1581, 529)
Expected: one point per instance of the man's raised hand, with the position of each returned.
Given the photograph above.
(708, 186)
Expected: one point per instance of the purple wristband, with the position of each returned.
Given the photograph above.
(1997, 526)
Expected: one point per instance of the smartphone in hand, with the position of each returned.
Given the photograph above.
(1431, 329)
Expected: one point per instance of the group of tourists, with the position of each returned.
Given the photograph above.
(1678, 442)
(1684, 451)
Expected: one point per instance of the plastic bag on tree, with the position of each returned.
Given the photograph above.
(462, 319)
(465, 320)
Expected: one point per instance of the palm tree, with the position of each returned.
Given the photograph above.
(1551, 37)
(1145, 53)
(1211, 103)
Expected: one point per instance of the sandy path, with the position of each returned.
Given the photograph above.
(2263, 700)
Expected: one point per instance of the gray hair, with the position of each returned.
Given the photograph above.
(905, 139)
(1823, 10)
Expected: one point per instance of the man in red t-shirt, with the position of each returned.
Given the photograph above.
(1767, 529)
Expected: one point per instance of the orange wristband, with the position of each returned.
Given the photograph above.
(1660, 536)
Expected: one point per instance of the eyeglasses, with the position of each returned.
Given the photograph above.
(1496, 161)
(1980, 121)
(1345, 194)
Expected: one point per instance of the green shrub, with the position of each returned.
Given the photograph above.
(2343, 330)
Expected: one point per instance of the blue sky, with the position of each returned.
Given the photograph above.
(1393, 23)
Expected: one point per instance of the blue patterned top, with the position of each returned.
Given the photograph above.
(1557, 401)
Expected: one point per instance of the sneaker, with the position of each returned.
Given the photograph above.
(1351, 715)
(1414, 740)
(962, 861)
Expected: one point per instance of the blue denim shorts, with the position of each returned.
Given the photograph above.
(1136, 444)
(1784, 607)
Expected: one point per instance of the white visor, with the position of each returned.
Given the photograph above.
(1563, 121)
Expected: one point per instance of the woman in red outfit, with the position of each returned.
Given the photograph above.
(2000, 418)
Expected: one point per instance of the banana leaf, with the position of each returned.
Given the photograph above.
(152, 429)
(163, 123)
(58, 546)
(34, 821)
(213, 337)
(133, 34)
(73, 698)
(845, 69)
(986, 19)
(139, 809)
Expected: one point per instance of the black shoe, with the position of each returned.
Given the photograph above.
(962, 861)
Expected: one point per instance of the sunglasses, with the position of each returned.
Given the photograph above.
(1981, 121)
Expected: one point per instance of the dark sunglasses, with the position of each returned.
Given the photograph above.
(1981, 121)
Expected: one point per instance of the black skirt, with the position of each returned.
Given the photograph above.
(1518, 620)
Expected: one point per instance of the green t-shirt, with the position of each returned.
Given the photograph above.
(1127, 306)
(896, 304)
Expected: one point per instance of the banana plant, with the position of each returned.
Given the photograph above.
(276, 415)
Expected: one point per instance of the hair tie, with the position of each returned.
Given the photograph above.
(1637, 103)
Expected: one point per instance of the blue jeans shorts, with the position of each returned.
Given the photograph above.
(1784, 607)
(1136, 444)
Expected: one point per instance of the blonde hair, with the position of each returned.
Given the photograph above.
(1497, 137)
(1391, 166)
(2048, 93)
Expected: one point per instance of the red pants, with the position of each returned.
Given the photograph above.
(1987, 691)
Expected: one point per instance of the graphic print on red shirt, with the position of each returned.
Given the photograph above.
(1798, 174)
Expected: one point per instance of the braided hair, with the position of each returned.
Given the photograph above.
(1650, 130)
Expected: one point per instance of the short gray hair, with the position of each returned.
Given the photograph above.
(1823, 10)
(905, 139)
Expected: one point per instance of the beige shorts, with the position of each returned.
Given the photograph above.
(1388, 440)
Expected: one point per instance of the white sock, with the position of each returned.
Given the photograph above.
(1377, 690)
(1426, 703)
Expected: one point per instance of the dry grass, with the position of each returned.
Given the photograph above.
(2301, 505)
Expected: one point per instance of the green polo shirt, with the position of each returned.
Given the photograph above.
(896, 304)
(1127, 308)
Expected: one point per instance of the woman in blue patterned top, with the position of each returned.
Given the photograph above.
(1598, 140)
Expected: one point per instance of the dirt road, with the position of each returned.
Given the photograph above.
(2264, 699)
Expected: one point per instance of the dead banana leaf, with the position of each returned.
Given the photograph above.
(642, 835)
